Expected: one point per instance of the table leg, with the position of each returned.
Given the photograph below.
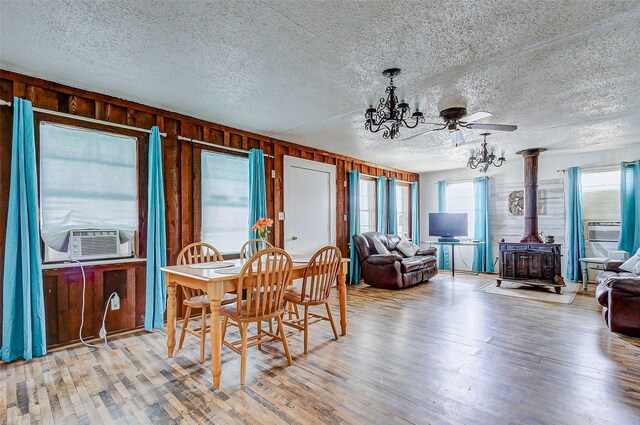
(215, 295)
(585, 276)
(342, 294)
(171, 316)
(453, 261)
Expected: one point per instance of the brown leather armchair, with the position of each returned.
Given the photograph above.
(618, 292)
(393, 270)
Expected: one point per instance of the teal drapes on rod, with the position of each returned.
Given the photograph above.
(381, 204)
(630, 207)
(156, 291)
(415, 214)
(257, 190)
(23, 322)
(354, 225)
(575, 229)
(483, 254)
(443, 252)
(393, 212)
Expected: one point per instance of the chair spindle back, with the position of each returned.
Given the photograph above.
(265, 277)
(320, 274)
(195, 253)
(251, 247)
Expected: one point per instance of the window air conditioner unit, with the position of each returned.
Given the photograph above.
(602, 231)
(94, 244)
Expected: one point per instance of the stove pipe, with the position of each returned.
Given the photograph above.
(531, 234)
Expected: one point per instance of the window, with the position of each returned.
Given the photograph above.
(225, 201)
(403, 211)
(460, 199)
(88, 179)
(368, 209)
(601, 195)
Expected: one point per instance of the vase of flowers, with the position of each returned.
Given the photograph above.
(262, 228)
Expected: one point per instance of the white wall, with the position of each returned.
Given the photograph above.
(512, 172)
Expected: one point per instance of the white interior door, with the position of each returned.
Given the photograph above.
(309, 205)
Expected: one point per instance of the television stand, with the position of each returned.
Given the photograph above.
(452, 252)
(448, 240)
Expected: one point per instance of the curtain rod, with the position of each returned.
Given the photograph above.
(91, 120)
(456, 181)
(213, 145)
(375, 177)
(600, 167)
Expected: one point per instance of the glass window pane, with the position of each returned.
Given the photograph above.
(87, 180)
(601, 195)
(367, 205)
(402, 208)
(460, 199)
(225, 201)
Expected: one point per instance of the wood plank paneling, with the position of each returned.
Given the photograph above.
(181, 161)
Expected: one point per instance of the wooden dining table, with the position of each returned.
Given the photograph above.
(215, 284)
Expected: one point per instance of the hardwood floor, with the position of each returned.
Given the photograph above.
(438, 353)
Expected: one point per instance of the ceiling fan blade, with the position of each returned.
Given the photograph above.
(420, 134)
(477, 116)
(457, 137)
(494, 127)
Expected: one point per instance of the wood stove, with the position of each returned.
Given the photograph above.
(531, 261)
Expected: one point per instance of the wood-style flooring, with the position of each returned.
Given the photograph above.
(438, 353)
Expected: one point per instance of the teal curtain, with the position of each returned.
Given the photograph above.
(482, 254)
(443, 252)
(354, 225)
(257, 190)
(23, 323)
(415, 214)
(381, 204)
(630, 207)
(156, 291)
(575, 227)
(393, 212)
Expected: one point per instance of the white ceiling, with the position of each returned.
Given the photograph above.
(568, 73)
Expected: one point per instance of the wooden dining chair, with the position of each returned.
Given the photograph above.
(321, 273)
(195, 299)
(252, 246)
(265, 277)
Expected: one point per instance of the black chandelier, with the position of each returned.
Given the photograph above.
(390, 114)
(483, 159)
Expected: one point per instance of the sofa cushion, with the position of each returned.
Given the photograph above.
(397, 254)
(407, 247)
(412, 264)
(379, 247)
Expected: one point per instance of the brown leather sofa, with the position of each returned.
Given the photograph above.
(393, 270)
(618, 292)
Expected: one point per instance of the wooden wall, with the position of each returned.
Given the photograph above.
(63, 287)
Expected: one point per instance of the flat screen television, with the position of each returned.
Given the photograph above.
(448, 226)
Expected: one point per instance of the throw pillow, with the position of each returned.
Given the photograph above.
(636, 269)
(379, 247)
(407, 247)
(629, 265)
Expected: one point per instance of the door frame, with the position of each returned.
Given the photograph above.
(292, 161)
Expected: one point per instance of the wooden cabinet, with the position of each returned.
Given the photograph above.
(538, 263)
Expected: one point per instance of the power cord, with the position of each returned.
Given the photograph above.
(103, 330)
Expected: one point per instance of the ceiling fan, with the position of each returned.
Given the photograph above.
(456, 118)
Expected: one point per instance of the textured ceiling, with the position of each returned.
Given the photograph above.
(568, 73)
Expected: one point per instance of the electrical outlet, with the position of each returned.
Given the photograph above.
(281, 216)
(115, 302)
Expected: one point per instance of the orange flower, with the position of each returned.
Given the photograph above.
(262, 223)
